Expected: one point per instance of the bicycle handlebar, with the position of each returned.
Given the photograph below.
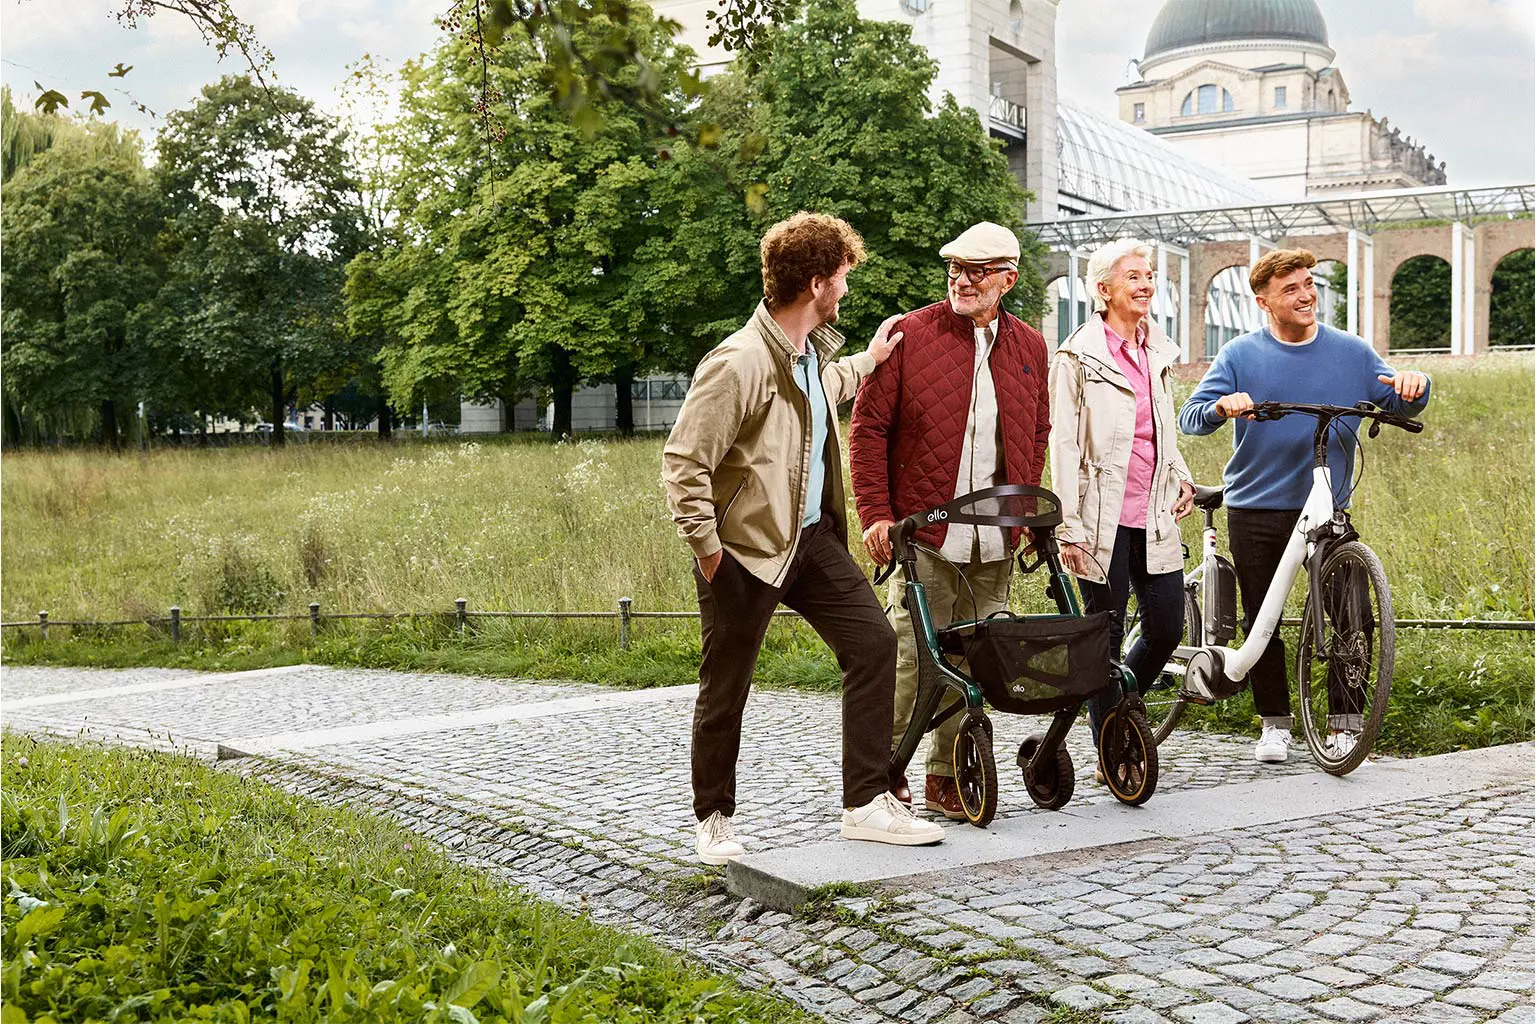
(1364, 410)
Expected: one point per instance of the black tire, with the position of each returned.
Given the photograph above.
(1359, 650)
(1164, 707)
(976, 772)
(1128, 754)
(1050, 784)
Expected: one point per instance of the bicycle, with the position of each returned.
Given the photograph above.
(1348, 636)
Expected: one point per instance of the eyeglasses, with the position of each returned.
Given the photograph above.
(975, 275)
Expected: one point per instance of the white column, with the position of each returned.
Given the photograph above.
(1072, 297)
(1184, 307)
(1352, 291)
(1162, 282)
(1469, 287)
(1458, 285)
(1368, 290)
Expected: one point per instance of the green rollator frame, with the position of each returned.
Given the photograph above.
(1017, 664)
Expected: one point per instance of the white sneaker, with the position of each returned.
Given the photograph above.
(887, 820)
(1274, 745)
(715, 842)
(1342, 744)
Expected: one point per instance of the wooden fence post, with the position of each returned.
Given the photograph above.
(175, 624)
(624, 603)
(314, 618)
(459, 614)
(42, 624)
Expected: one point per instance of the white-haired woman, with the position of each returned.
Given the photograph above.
(1115, 464)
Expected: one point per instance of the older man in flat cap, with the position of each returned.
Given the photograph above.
(961, 404)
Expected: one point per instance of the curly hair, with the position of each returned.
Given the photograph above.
(1277, 262)
(806, 245)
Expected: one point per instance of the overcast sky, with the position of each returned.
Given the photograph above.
(1457, 75)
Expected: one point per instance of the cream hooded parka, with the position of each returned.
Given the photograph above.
(1093, 425)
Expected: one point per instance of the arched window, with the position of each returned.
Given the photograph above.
(1204, 100)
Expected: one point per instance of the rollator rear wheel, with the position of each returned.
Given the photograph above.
(1343, 685)
(1128, 754)
(1050, 783)
(976, 772)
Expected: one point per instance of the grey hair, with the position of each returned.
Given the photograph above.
(1102, 264)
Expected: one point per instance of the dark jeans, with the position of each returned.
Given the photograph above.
(824, 585)
(1161, 597)
(1257, 538)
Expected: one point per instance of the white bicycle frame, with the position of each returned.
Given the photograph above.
(1235, 664)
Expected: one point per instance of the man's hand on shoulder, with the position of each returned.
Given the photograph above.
(1409, 384)
(1236, 404)
(884, 341)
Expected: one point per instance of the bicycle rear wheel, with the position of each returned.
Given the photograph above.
(1164, 706)
(1343, 685)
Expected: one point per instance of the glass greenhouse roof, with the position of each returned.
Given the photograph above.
(1106, 166)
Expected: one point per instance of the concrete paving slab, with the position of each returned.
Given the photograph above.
(299, 740)
(785, 878)
(158, 686)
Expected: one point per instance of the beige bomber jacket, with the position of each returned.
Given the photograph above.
(736, 463)
(1093, 425)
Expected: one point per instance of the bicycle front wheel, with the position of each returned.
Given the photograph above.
(1344, 683)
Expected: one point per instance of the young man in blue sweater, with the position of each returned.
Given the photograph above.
(1294, 359)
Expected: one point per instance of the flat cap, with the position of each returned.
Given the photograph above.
(981, 243)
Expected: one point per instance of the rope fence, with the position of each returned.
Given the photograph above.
(460, 616)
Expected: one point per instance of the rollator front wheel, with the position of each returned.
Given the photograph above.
(1050, 782)
(1343, 685)
(1128, 754)
(976, 771)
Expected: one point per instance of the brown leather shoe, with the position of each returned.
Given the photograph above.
(940, 794)
(902, 790)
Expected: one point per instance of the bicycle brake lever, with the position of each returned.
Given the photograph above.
(1375, 430)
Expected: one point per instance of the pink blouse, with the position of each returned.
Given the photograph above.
(1138, 477)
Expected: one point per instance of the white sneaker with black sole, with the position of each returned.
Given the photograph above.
(887, 820)
(1274, 746)
(715, 842)
(1342, 744)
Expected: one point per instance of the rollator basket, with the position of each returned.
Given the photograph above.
(1033, 665)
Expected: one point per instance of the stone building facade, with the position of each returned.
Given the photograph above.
(1250, 86)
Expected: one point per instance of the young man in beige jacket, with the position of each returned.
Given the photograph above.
(754, 479)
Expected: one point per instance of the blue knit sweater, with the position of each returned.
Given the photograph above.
(1271, 464)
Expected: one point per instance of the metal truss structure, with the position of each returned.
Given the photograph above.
(1363, 212)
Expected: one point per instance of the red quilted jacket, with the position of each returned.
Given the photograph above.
(910, 414)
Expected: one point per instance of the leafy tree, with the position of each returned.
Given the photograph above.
(79, 221)
(512, 274)
(838, 121)
(1421, 304)
(265, 213)
(1511, 320)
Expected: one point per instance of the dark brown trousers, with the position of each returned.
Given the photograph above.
(824, 585)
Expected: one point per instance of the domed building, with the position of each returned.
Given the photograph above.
(1250, 86)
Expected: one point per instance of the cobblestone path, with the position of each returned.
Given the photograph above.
(1419, 911)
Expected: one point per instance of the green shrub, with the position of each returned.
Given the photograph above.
(146, 887)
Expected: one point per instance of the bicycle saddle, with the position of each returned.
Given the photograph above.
(1209, 498)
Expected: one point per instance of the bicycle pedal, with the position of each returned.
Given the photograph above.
(1195, 698)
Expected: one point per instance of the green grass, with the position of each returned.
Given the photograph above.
(147, 887)
(511, 525)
